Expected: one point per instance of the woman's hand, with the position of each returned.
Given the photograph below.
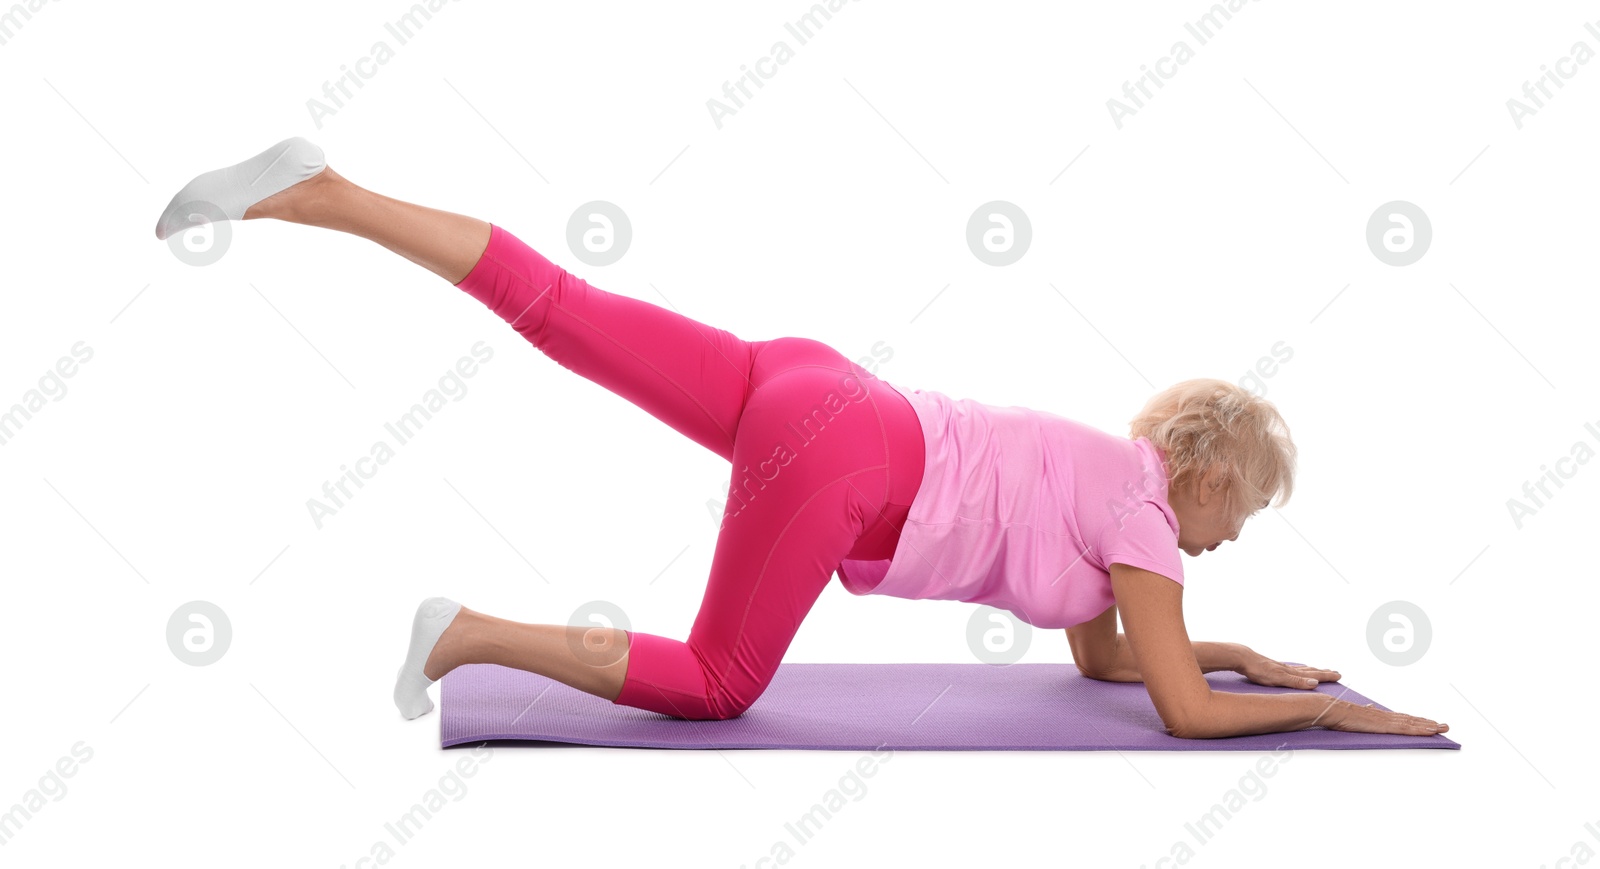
(1264, 671)
(1344, 715)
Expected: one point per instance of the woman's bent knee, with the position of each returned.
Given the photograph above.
(724, 702)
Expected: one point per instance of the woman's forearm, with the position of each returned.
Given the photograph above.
(1212, 657)
(1230, 714)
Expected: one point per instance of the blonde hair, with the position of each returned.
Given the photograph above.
(1206, 422)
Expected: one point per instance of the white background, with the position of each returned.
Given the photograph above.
(1222, 218)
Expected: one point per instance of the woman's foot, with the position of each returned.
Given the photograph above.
(451, 650)
(432, 621)
(232, 192)
(295, 203)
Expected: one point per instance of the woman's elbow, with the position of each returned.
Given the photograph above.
(1108, 674)
(1189, 724)
(1183, 729)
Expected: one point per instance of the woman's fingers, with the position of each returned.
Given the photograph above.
(1370, 719)
(1290, 675)
(1305, 677)
(1300, 678)
(1319, 674)
(1280, 676)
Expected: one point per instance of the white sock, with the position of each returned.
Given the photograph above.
(410, 683)
(233, 189)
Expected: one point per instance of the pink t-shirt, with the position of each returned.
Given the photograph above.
(1024, 511)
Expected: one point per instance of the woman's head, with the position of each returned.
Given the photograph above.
(1228, 453)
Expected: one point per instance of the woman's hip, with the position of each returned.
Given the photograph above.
(818, 417)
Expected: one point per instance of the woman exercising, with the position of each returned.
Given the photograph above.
(907, 493)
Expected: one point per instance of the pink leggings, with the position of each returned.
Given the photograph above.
(826, 460)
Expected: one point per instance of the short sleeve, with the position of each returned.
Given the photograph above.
(1146, 540)
(861, 577)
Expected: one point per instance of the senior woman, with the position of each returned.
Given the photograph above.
(902, 492)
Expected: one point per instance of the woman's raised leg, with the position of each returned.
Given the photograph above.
(692, 376)
(442, 242)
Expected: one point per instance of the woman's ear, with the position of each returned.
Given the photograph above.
(1212, 482)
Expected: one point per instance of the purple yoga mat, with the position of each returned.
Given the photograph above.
(858, 707)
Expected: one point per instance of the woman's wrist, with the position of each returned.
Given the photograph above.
(1243, 656)
(1215, 656)
(1330, 713)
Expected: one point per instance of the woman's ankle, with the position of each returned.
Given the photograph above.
(454, 646)
(299, 203)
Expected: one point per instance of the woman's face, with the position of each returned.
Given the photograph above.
(1203, 520)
